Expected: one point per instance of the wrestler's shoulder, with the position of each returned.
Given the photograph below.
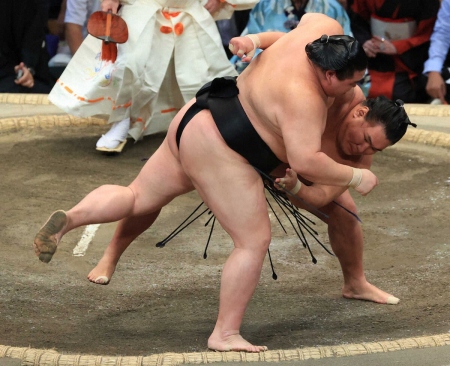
(350, 99)
(321, 21)
(303, 88)
(317, 17)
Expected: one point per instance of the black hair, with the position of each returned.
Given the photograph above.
(390, 114)
(343, 54)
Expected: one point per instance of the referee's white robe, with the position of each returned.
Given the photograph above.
(173, 48)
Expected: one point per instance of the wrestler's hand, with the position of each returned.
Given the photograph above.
(289, 182)
(367, 182)
(112, 5)
(244, 47)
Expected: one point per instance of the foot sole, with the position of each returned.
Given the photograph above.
(45, 242)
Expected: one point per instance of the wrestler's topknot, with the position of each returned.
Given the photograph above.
(390, 114)
(343, 54)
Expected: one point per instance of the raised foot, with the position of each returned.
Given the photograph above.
(46, 240)
(102, 273)
(369, 292)
(233, 342)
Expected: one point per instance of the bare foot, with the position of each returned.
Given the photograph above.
(233, 342)
(48, 237)
(102, 273)
(369, 292)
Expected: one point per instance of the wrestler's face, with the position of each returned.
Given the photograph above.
(361, 137)
(337, 87)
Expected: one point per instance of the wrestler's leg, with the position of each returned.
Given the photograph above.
(233, 190)
(346, 239)
(246, 220)
(127, 230)
(160, 180)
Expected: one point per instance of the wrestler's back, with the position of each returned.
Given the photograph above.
(281, 72)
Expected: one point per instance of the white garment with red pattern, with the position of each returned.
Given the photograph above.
(173, 48)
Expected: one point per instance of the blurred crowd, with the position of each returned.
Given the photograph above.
(407, 41)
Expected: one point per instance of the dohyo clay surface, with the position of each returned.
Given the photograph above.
(161, 304)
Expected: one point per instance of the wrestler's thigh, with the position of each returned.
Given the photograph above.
(159, 181)
(236, 197)
(230, 187)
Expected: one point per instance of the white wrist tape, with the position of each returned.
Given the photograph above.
(297, 187)
(356, 179)
(255, 39)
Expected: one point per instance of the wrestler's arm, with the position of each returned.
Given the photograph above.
(302, 127)
(246, 46)
(319, 195)
(316, 195)
(248, 43)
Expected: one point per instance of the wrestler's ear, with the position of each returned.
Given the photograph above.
(330, 74)
(360, 111)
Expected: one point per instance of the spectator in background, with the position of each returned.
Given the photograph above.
(75, 21)
(56, 15)
(284, 15)
(346, 4)
(23, 53)
(76, 14)
(395, 35)
(437, 67)
(43, 9)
